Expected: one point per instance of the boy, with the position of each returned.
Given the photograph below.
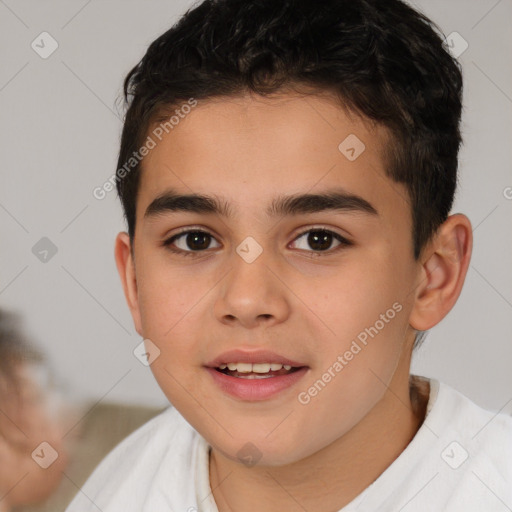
(287, 170)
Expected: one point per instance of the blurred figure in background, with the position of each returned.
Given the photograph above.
(29, 415)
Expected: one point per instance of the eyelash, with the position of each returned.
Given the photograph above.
(343, 242)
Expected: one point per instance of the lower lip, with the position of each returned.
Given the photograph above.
(255, 389)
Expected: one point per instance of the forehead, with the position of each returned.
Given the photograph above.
(250, 149)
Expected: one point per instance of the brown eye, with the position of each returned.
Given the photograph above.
(189, 242)
(321, 240)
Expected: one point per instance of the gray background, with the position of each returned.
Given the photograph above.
(60, 129)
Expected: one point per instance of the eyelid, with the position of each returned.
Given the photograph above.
(188, 229)
(321, 227)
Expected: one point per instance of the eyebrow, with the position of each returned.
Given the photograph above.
(296, 204)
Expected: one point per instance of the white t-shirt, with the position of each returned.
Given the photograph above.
(460, 460)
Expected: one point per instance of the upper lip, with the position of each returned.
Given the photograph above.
(251, 356)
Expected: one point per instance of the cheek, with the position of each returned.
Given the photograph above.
(364, 301)
(367, 322)
(166, 299)
(354, 367)
(172, 311)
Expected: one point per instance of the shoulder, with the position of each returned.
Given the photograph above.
(130, 470)
(459, 460)
(480, 427)
(475, 446)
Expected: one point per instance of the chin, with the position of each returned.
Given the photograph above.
(256, 450)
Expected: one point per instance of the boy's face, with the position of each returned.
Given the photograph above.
(294, 299)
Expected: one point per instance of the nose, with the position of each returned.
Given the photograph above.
(252, 294)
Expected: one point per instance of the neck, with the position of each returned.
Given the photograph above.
(334, 476)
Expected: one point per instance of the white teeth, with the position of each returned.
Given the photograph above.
(260, 368)
(243, 367)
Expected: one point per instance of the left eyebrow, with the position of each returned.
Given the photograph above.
(333, 200)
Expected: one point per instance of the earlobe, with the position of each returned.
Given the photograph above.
(442, 273)
(126, 268)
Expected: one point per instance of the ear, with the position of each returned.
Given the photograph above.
(126, 268)
(445, 262)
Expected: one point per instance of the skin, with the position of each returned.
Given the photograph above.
(291, 300)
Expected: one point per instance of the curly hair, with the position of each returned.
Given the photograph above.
(383, 60)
